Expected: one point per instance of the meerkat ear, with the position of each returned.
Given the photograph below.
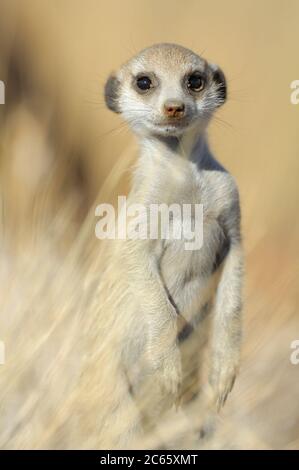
(219, 79)
(111, 93)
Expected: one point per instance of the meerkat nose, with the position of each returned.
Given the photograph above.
(174, 108)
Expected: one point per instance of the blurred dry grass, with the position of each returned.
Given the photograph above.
(57, 151)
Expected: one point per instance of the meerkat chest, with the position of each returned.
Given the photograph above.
(194, 244)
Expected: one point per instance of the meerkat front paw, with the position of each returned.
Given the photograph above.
(171, 373)
(222, 380)
(168, 371)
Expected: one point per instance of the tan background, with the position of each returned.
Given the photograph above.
(65, 49)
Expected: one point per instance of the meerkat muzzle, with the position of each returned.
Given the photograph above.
(174, 109)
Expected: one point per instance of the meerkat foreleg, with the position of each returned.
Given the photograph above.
(157, 312)
(227, 328)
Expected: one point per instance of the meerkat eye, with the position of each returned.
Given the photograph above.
(195, 82)
(144, 83)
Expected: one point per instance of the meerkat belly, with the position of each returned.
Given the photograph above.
(190, 275)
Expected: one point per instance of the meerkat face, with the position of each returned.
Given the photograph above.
(165, 90)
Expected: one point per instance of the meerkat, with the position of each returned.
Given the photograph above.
(168, 95)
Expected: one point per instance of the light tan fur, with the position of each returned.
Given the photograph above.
(174, 287)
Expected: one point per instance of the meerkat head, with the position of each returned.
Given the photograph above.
(165, 90)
